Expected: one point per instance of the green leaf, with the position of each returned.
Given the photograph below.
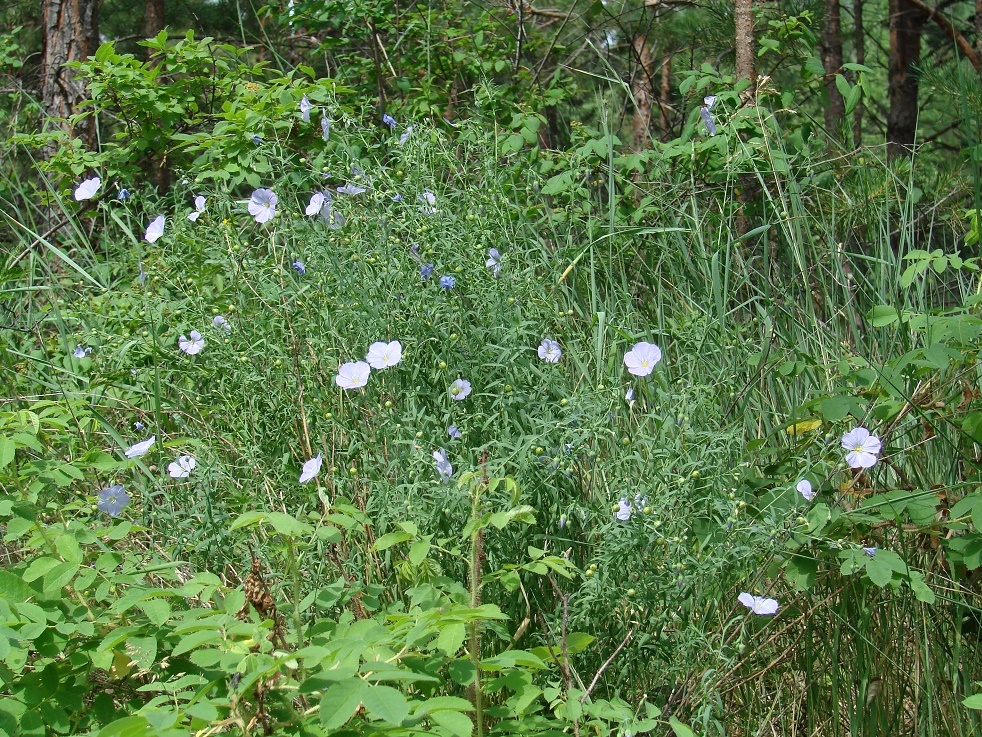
(680, 729)
(340, 702)
(879, 571)
(387, 704)
(393, 538)
(451, 638)
(883, 315)
(456, 723)
(7, 448)
(418, 551)
(973, 702)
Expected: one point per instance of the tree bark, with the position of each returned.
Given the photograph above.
(860, 41)
(835, 112)
(906, 25)
(71, 33)
(643, 90)
(743, 17)
(665, 98)
(153, 18)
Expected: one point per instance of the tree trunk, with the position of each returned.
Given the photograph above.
(860, 41)
(153, 18)
(835, 112)
(743, 17)
(665, 98)
(906, 24)
(644, 93)
(71, 33)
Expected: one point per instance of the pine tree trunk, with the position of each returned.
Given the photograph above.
(743, 17)
(835, 113)
(860, 41)
(644, 93)
(71, 33)
(744, 25)
(153, 18)
(906, 24)
(665, 98)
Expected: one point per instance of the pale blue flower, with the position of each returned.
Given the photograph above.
(315, 205)
(138, 426)
(397, 197)
(219, 321)
(460, 389)
(199, 207)
(305, 108)
(257, 140)
(443, 466)
(113, 500)
(623, 510)
(454, 432)
(155, 229)
(325, 127)
(350, 189)
(425, 272)
(262, 205)
(494, 262)
(389, 121)
(804, 488)
(405, 135)
(81, 351)
(629, 397)
(758, 604)
(863, 448)
(87, 189)
(641, 359)
(429, 200)
(383, 355)
(182, 467)
(124, 194)
(140, 449)
(353, 375)
(299, 267)
(870, 551)
(193, 345)
(447, 282)
(549, 351)
(310, 469)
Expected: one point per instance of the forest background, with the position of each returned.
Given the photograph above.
(375, 367)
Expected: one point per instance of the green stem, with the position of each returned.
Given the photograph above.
(476, 565)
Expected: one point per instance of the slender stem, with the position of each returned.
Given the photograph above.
(475, 591)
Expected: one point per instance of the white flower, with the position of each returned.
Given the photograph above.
(199, 207)
(135, 451)
(353, 375)
(193, 346)
(758, 604)
(311, 468)
(262, 205)
(641, 359)
(155, 229)
(305, 108)
(624, 510)
(181, 468)
(549, 351)
(804, 488)
(316, 204)
(443, 466)
(384, 355)
(87, 189)
(862, 446)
